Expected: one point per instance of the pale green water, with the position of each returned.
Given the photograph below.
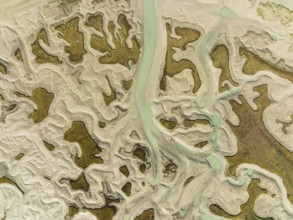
(227, 13)
(143, 103)
(252, 2)
(250, 172)
(208, 217)
(144, 109)
(215, 162)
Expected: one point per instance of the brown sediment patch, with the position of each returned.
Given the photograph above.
(123, 169)
(127, 189)
(18, 55)
(41, 55)
(105, 213)
(19, 94)
(70, 32)
(43, 100)
(189, 123)
(169, 124)
(220, 58)
(109, 98)
(146, 215)
(246, 209)
(79, 133)
(170, 167)
(254, 64)
(127, 84)
(189, 180)
(172, 67)
(121, 54)
(285, 124)
(142, 168)
(140, 152)
(201, 144)
(102, 124)
(80, 183)
(3, 69)
(50, 147)
(4, 215)
(256, 145)
(19, 156)
(64, 2)
(9, 181)
(72, 210)
(11, 107)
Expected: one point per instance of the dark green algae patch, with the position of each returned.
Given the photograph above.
(41, 55)
(172, 67)
(79, 133)
(105, 213)
(70, 32)
(43, 100)
(121, 54)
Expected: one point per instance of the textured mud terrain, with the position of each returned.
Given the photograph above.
(146, 109)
